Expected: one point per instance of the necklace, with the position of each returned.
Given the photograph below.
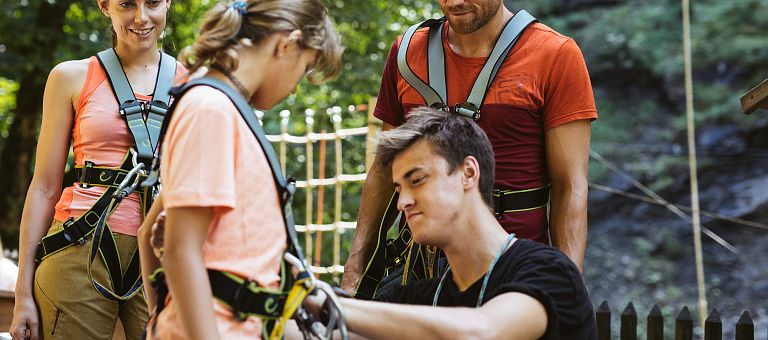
(486, 277)
(239, 85)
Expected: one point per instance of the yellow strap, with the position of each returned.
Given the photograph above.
(298, 292)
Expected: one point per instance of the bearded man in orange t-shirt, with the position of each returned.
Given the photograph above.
(537, 113)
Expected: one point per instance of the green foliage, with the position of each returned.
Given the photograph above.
(8, 90)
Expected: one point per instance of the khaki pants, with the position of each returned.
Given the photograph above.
(69, 306)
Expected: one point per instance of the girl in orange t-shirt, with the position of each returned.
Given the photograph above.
(222, 205)
(79, 107)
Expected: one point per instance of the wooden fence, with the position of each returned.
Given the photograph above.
(713, 327)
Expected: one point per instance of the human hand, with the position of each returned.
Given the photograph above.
(25, 320)
(156, 239)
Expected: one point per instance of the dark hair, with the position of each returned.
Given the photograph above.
(451, 136)
(226, 28)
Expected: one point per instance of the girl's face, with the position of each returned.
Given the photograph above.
(137, 23)
(281, 79)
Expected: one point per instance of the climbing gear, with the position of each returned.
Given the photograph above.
(243, 295)
(486, 277)
(419, 260)
(435, 93)
(120, 182)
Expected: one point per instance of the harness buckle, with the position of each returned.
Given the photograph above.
(467, 110)
(156, 107)
(499, 203)
(68, 227)
(290, 189)
(131, 107)
(85, 175)
(239, 301)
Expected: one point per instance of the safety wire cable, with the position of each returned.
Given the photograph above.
(692, 165)
(647, 199)
(660, 200)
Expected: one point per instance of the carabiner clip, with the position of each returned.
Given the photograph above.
(123, 189)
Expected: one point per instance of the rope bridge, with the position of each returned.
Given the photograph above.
(316, 185)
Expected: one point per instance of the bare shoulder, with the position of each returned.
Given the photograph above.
(67, 78)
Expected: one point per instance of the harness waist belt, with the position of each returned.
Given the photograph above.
(246, 297)
(520, 200)
(90, 175)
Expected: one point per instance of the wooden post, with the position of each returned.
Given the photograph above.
(655, 324)
(603, 319)
(374, 124)
(310, 120)
(756, 98)
(629, 323)
(745, 328)
(713, 328)
(684, 325)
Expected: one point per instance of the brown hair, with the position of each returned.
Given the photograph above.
(225, 30)
(451, 136)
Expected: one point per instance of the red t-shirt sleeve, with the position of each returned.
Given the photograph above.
(388, 107)
(568, 90)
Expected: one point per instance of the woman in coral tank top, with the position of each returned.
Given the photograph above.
(56, 298)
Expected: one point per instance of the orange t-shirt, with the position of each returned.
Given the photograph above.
(543, 83)
(210, 158)
(101, 136)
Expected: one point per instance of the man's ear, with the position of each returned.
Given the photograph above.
(470, 169)
(286, 42)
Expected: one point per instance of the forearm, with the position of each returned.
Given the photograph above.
(149, 262)
(377, 190)
(568, 220)
(35, 221)
(188, 283)
(377, 320)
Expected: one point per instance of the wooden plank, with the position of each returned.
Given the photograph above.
(756, 98)
(629, 323)
(603, 319)
(745, 328)
(655, 324)
(6, 310)
(684, 325)
(713, 327)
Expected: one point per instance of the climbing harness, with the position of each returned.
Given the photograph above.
(435, 93)
(419, 260)
(486, 277)
(244, 296)
(120, 182)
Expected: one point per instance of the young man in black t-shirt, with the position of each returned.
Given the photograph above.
(442, 165)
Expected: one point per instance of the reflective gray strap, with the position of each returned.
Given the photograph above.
(428, 93)
(161, 98)
(165, 77)
(506, 41)
(436, 56)
(116, 76)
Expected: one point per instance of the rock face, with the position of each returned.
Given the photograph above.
(642, 253)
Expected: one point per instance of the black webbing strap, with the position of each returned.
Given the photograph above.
(246, 297)
(145, 132)
(435, 94)
(76, 231)
(90, 175)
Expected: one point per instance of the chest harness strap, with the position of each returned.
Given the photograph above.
(435, 93)
(244, 296)
(120, 182)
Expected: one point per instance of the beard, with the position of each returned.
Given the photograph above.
(477, 19)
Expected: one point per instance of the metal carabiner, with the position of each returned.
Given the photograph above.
(135, 175)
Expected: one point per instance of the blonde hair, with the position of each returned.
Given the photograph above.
(225, 30)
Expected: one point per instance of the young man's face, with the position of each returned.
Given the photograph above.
(430, 197)
(467, 16)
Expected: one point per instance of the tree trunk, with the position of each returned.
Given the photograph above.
(16, 161)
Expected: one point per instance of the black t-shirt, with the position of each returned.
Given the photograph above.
(527, 267)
